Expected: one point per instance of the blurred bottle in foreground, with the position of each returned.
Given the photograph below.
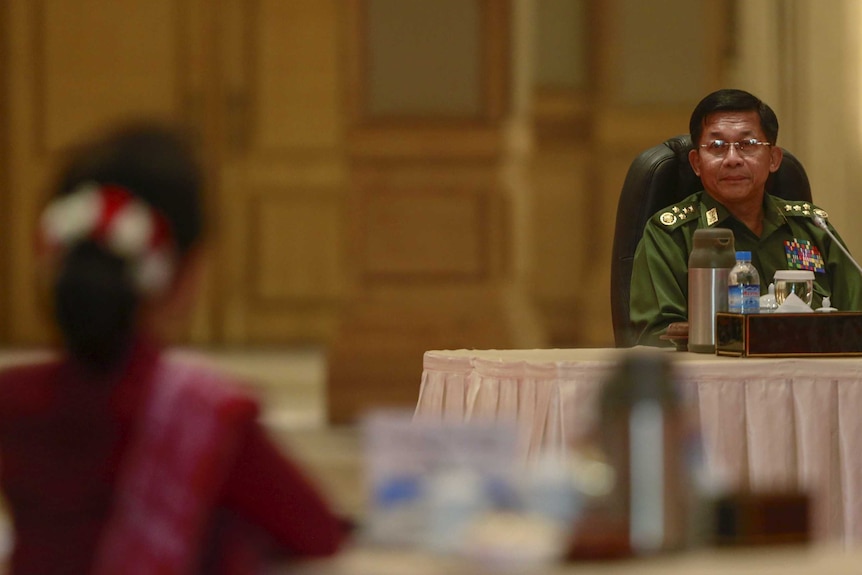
(644, 433)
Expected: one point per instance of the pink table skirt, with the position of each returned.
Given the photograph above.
(766, 423)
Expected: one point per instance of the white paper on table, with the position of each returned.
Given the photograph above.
(794, 304)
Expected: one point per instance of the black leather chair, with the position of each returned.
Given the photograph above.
(657, 178)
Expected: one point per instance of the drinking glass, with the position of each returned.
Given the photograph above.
(799, 282)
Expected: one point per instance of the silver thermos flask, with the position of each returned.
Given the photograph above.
(711, 259)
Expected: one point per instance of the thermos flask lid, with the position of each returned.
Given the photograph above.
(712, 248)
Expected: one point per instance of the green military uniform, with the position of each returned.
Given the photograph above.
(790, 240)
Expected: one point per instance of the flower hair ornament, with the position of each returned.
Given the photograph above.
(113, 217)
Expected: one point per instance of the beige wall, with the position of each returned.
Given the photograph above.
(804, 58)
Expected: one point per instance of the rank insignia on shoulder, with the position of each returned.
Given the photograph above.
(677, 215)
(667, 218)
(803, 209)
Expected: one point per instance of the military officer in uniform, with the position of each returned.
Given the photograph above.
(734, 135)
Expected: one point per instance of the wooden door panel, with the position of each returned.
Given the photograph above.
(282, 170)
(425, 234)
(98, 61)
(296, 242)
(296, 76)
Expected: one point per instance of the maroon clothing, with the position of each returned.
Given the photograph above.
(63, 433)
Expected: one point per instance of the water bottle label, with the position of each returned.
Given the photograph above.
(743, 298)
(734, 299)
(750, 298)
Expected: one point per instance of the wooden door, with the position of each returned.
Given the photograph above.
(437, 144)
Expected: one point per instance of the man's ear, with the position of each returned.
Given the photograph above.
(776, 154)
(694, 160)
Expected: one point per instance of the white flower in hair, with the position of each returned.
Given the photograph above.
(72, 217)
(125, 225)
(131, 229)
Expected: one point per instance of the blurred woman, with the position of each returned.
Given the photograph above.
(115, 458)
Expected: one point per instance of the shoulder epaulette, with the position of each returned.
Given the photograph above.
(801, 208)
(677, 215)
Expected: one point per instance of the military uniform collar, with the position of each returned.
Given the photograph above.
(713, 213)
(774, 210)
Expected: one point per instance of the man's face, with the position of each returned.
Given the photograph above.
(733, 178)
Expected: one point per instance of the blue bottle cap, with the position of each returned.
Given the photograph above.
(743, 256)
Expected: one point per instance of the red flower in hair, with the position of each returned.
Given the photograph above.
(116, 219)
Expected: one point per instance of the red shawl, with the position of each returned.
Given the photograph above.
(171, 475)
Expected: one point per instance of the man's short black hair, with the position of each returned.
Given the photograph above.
(731, 100)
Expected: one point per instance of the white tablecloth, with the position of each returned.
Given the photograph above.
(766, 423)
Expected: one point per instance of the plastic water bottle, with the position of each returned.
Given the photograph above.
(743, 286)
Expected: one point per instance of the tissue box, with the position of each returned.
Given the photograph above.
(788, 334)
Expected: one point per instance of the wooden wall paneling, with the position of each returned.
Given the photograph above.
(293, 265)
(497, 58)
(407, 74)
(428, 226)
(411, 123)
(27, 176)
(561, 165)
(431, 195)
(432, 234)
(296, 77)
(99, 62)
(563, 210)
(402, 72)
(6, 45)
(646, 87)
(233, 30)
(72, 69)
(198, 103)
(296, 240)
(282, 171)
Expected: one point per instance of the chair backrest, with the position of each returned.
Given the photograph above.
(657, 178)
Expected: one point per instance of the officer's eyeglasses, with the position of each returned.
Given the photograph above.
(747, 147)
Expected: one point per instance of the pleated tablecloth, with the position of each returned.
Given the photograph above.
(767, 424)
